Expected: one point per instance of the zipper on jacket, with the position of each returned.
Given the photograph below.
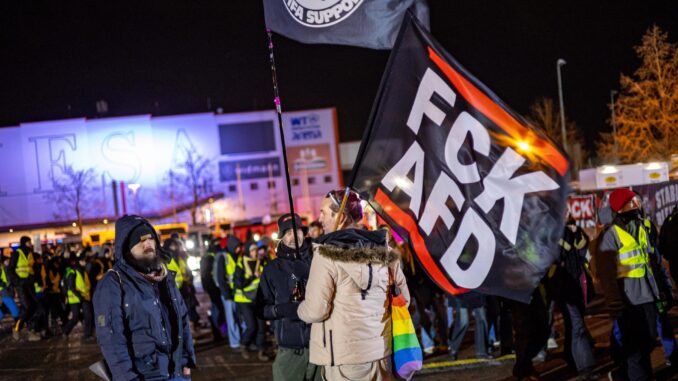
(324, 342)
(331, 350)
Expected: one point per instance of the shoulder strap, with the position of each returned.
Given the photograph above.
(122, 291)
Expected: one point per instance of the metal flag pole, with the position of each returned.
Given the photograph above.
(342, 207)
(278, 109)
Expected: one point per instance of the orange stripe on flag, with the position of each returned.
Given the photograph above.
(403, 219)
(498, 115)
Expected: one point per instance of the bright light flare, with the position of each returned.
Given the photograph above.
(274, 235)
(524, 146)
(190, 245)
(256, 236)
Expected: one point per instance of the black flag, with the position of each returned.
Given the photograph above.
(479, 194)
(367, 23)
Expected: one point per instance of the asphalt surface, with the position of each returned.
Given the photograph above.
(60, 359)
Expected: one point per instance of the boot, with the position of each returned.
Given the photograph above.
(243, 352)
(16, 335)
(262, 357)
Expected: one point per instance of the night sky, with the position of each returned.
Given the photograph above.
(168, 57)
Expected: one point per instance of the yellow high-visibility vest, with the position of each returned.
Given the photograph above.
(633, 257)
(81, 285)
(247, 294)
(24, 265)
(179, 272)
(3, 278)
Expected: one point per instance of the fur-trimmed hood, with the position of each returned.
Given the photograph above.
(382, 255)
(356, 245)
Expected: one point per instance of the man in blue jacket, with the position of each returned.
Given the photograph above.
(141, 319)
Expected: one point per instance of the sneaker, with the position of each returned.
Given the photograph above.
(454, 355)
(429, 350)
(32, 336)
(540, 357)
(551, 344)
(16, 335)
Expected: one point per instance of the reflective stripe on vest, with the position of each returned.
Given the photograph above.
(23, 265)
(247, 294)
(632, 257)
(179, 277)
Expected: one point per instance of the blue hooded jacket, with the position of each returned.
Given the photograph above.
(129, 319)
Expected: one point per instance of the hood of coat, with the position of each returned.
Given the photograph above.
(361, 254)
(232, 243)
(123, 228)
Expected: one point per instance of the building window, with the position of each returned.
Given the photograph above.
(232, 188)
(254, 186)
(295, 182)
(271, 184)
(328, 179)
(311, 180)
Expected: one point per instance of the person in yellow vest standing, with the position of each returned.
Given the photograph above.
(78, 295)
(626, 269)
(247, 276)
(6, 294)
(20, 273)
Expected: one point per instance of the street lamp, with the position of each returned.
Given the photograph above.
(561, 62)
(614, 126)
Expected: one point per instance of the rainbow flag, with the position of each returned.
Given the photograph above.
(407, 356)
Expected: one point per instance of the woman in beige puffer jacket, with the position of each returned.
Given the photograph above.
(347, 302)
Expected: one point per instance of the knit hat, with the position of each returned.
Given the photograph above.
(285, 223)
(620, 197)
(136, 234)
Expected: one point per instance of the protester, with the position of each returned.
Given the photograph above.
(78, 296)
(216, 318)
(625, 269)
(53, 297)
(224, 272)
(282, 288)
(246, 282)
(573, 289)
(142, 322)
(6, 292)
(20, 273)
(462, 304)
(347, 295)
(531, 329)
(315, 229)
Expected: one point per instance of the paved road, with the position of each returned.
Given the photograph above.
(59, 359)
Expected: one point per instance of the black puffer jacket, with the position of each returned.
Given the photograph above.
(274, 296)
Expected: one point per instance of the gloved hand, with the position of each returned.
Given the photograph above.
(287, 310)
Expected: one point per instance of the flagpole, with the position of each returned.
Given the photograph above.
(278, 109)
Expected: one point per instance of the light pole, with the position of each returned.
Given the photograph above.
(614, 126)
(561, 62)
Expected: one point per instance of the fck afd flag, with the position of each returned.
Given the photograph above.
(479, 195)
(367, 23)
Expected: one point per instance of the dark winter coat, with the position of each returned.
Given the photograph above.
(668, 242)
(222, 277)
(274, 296)
(138, 339)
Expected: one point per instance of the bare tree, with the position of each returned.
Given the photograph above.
(192, 176)
(646, 110)
(72, 193)
(546, 115)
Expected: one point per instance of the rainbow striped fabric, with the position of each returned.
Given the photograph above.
(407, 356)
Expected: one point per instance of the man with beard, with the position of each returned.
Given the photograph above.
(141, 318)
(280, 292)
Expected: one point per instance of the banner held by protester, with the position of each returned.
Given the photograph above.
(479, 195)
(367, 23)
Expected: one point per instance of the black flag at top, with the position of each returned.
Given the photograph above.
(478, 194)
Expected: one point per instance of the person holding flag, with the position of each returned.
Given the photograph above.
(347, 295)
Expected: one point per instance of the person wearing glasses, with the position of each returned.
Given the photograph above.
(347, 294)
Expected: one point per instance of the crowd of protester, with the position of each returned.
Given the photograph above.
(265, 296)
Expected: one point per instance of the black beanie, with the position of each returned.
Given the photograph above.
(24, 240)
(136, 234)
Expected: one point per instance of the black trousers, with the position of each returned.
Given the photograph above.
(254, 328)
(29, 304)
(638, 327)
(531, 326)
(578, 352)
(88, 318)
(75, 317)
(54, 309)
